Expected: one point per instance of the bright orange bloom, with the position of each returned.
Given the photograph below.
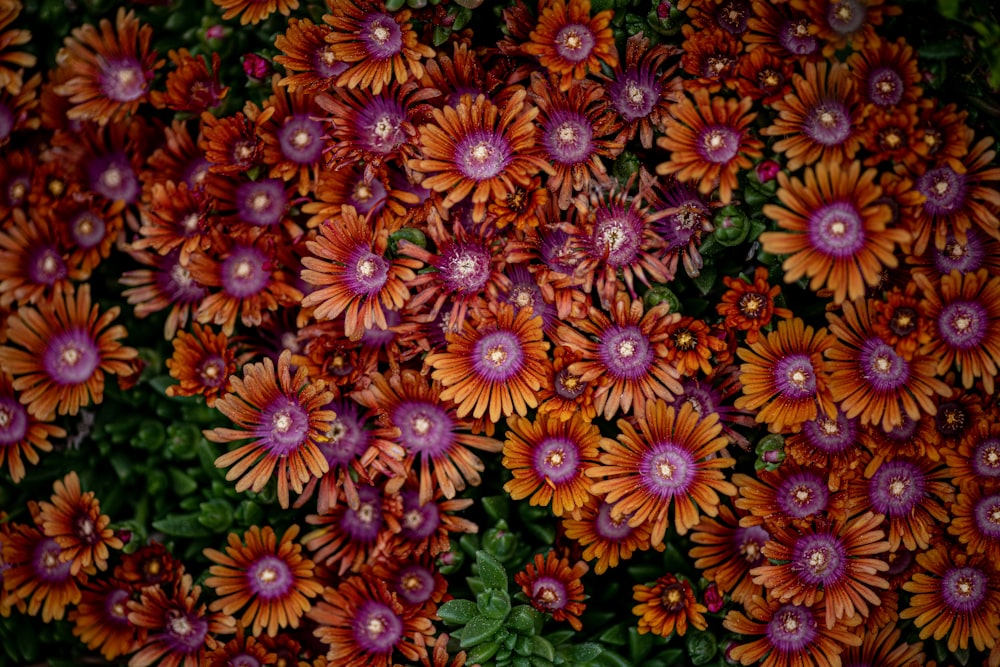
(727, 552)
(898, 321)
(193, 86)
(788, 495)
(882, 647)
(837, 229)
(267, 576)
(74, 520)
(569, 42)
(553, 587)
(975, 521)
(307, 57)
(668, 458)
(750, 306)
(284, 416)
(35, 573)
(202, 363)
(348, 537)
(666, 606)
(101, 622)
(21, 435)
(605, 537)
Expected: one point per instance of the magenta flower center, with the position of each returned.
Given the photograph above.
(419, 521)
(964, 589)
(846, 16)
(184, 632)
(87, 229)
(364, 523)
(376, 627)
(896, 488)
(270, 578)
(626, 352)
(749, 543)
(367, 272)
(944, 189)
(885, 87)
(617, 235)
(498, 356)
(568, 137)
(482, 155)
(830, 435)
(465, 267)
(667, 469)
(13, 421)
(574, 42)
(882, 367)
(261, 203)
(795, 377)
(837, 230)
(795, 36)
(381, 36)
(634, 94)
(243, 660)
(791, 629)
(245, 272)
(284, 426)
(609, 527)
(962, 257)
(549, 593)
(556, 459)
(345, 440)
(718, 143)
(123, 80)
(45, 266)
(116, 607)
(46, 563)
(71, 357)
(424, 427)
(414, 584)
(828, 123)
(802, 494)
(963, 324)
(368, 196)
(300, 139)
(819, 559)
(987, 514)
(112, 177)
(380, 126)
(986, 458)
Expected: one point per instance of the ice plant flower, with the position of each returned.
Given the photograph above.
(726, 553)
(59, 351)
(605, 537)
(667, 606)
(267, 576)
(284, 416)
(749, 306)
(553, 587)
(101, 622)
(34, 572)
(74, 520)
(569, 42)
(22, 436)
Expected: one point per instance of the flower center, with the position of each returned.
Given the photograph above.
(568, 137)
(549, 593)
(846, 17)
(819, 559)
(381, 36)
(377, 629)
(626, 352)
(791, 629)
(667, 469)
(828, 123)
(795, 377)
(424, 427)
(71, 358)
(270, 577)
(882, 367)
(574, 42)
(802, 494)
(557, 459)
(500, 355)
(837, 230)
(964, 589)
(963, 324)
(719, 144)
(944, 189)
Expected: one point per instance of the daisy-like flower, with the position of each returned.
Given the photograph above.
(690, 345)
(348, 537)
(887, 73)
(108, 70)
(59, 352)
(710, 395)
(241, 650)
(233, 144)
(965, 310)
(569, 42)
(941, 135)
(846, 23)
(307, 57)
(364, 623)
(284, 416)
(429, 431)
(425, 528)
(202, 364)
(245, 207)
(784, 376)
(688, 217)
(174, 216)
(176, 158)
(642, 89)
(573, 127)
(553, 587)
(710, 56)
(415, 581)
(348, 265)
(22, 436)
(33, 260)
(100, 620)
(267, 576)
(149, 565)
(548, 458)
(668, 605)
(479, 151)
(180, 631)
(820, 119)
(898, 321)
(74, 520)
(625, 360)
(781, 30)
(836, 565)
(954, 596)
(90, 225)
(788, 495)
(977, 252)
(607, 538)
(784, 634)
(11, 79)
(193, 85)
(495, 365)
(750, 306)
(727, 552)
(671, 459)
(35, 573)
(568, 395)
(870, 380)
(829, 443)
(975, 521)
(254, 11)
(762, 75)
(379, 46)
(975, 463)
(709, 142)
(837, 229)
(166, 284)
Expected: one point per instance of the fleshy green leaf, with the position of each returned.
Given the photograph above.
(457, 612)
(479, 629)
(491, 572)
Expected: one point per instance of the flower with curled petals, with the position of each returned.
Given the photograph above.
(569, 42)
(22, 436)
(254, 11)
(74, 520)
(607, 538)
(668, 606)
(553, 587)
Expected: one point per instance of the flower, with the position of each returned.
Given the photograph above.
(829, 443)
(569, 42)
(241, 650)
(35, 572)
(426, 527)
(100, 619)
(254, 11)
(709, 142)
(666, 606)
(604, 536)
(267, 576)
(22, 436)
(553, 587)
(379, 46)
(176, 217)
(348, 264)
(834, 565)
(348, 537)
(690, 344)
(784, 376)
(626, 359)
(364, 623)
(167, 283)
(976, 461)
(180, 631)
(845, 23)
(883, 647)
(727, 552)
(307, 57)
(870, 380)
(149, 565)
(548, 458)
(33, 260)
(642, 88)
(887, 73)
(59, 351)
(788, 495)
(202, 363)
(954, 596)
(898, 321)
(750, 306)
(672, 459)
(74, 520)
(10, 79)
(975, 521)
(837, 229)
(965, 311)
(478, 151)
(284, 416)
(789, 634)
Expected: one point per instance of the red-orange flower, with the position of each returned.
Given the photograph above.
(607, 538)
(750, 306)
(666, 606)
(553, 587)
(569, 42)
(254, 11)
(22, 436)
(74, 520)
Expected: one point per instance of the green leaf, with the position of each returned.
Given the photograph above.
(523, 620)
(181, 525)
(585, 652)
(479, 629)
(183, 483)
(457, 612)
(942, 50)
(639, 646)
(701, 647)
(491, 571)
(543, 648)
(705, 281)
(478, 655)
(493, 603)
(497, 507)
(216, 514)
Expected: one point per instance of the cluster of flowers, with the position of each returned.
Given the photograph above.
(409, 258)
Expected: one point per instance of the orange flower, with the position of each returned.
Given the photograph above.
(672, 459)
(726, 553)
(666, 606)
(269, 575)
(74, 520)
(101, 622)
(202, 364)
(254, 11)
(690, 345)
(307, 57)
(750, 306)
(787, 495)
(35, 572)
(59, 352)
(554, 588)
(10, 79)
(607, 538)
(569, 42)
(21, 435)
